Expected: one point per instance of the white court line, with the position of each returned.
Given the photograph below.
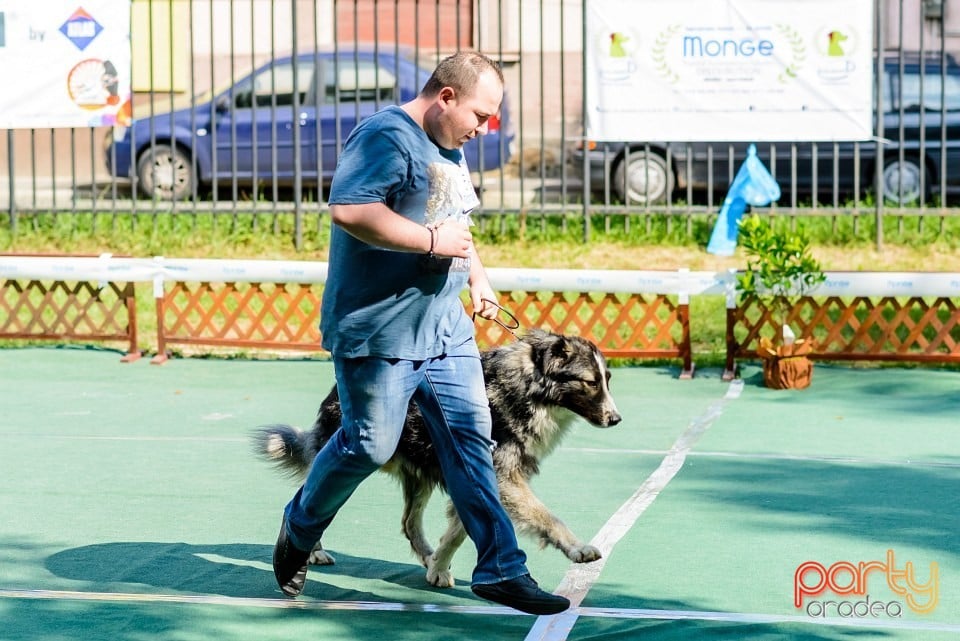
(580, 578)
(740, 617)
(773, 456)
(373, 606)
(252, 602)
(93, 437)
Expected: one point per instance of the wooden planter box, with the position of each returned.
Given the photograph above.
(786, 366)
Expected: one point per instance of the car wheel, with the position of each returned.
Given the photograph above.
(643, 177)
(902, 181)
(165, 172)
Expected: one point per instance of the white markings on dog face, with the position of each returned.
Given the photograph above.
(582, 385)
(610, 406)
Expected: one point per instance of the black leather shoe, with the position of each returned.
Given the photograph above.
(289, 564)
(522, 594)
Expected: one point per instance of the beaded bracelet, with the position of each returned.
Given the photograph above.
(433, 240)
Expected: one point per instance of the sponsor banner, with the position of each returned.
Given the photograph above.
(64, 63)
(729, 70)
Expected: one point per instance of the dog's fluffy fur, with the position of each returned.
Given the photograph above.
(537, 387)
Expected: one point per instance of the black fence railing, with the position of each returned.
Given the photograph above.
(295, 75)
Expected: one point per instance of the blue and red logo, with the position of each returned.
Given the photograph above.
(81, 29)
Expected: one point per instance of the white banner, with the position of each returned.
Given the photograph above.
(729, 70)
(64, 63)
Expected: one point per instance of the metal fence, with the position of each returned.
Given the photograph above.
(195, 55)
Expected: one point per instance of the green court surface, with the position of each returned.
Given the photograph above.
(133, 508)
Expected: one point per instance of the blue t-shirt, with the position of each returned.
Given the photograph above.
(380, 302)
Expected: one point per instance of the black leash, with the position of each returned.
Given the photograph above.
(510, 324)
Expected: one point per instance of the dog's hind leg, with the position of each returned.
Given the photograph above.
(416, 494)
(532, 517)
(438, 570)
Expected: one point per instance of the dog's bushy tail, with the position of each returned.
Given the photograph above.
(288, 448)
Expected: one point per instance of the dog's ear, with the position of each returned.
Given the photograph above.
(539, 350)
(563, 349)
(553, 352)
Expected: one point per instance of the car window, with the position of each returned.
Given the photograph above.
(908, 92)
(364, 81)
(274, 86)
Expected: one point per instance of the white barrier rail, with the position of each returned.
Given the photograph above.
(682, 282)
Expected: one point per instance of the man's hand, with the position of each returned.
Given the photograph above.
(486, 309)
(452, 239)
(483, 299)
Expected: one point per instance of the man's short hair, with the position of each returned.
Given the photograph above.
(460, 72)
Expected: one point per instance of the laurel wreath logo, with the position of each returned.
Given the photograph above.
(798, 53)
(659, 54)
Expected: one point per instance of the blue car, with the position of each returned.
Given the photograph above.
(247, 133)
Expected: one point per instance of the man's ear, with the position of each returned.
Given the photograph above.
(446, 95)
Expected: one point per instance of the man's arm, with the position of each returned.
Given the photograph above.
(481, 290)
(378, 225)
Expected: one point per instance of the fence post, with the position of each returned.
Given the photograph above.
(878, 110)
(130, 299)
(583, 110)
(730, 370)
(12, 207)
(158, 296)
(686, 347)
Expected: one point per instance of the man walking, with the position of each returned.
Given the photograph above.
(401, 252)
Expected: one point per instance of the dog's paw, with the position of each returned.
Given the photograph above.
(440, 578)
(319, 556)
(584, 554)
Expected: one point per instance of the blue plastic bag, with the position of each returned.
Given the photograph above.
(753, 185)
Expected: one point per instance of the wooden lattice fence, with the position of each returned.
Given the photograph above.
(275, 305)
(58, 310)
(279, 316)
(622, 325)
(282, 316)
(854, 328)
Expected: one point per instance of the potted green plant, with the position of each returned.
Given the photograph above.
(780, 270)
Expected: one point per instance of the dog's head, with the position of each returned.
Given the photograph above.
(570, 372)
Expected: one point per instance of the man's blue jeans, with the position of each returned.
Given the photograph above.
(374, 393)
